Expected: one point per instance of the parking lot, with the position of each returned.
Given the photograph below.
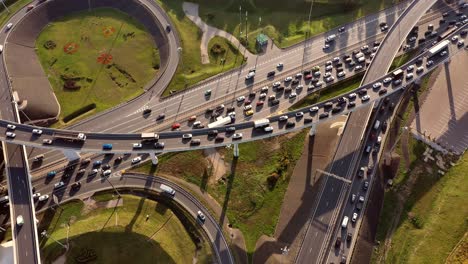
(443, 116)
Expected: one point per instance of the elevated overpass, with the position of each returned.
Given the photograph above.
(123, 143)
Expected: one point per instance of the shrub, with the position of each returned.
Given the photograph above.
(50, 44)
(217, 49)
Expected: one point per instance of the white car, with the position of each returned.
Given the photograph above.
(187, 136)
(283, 118)
(276, 84)
(36, 195)
(409, 76)
(10, 134)
(247, 107)
(443, 53)
(262, 95)
(327, 74)
(19, 220)
(314, 109)
(279, 65)
(201, 216)
(10, 126)
(292, 95)
(288, 79)
(299, 87)
(106, 173)
(355, 215)
(272, 97)
(137, 145)
(9, 26)
(318, 84)
(37, 131)
(341, 74)
(47, 141)
(365, 98)
(298, 76)
(454, 38)
(43, 197)
(387, 80)
(329, 68)
(136, 160)
(268, 129)
(59, 184)
(240, 98)
(410, 68)
(377, 85)
(336, 59)
(237, 136)
(328, 63)
(352, 96)
(330, 79)
(264, 89)
(429, 63)
(420, 69)
(358, 68)
(353, 198)
(326, 47)
(93, 171)
(299, 114)
(361, 199)
(317, 74)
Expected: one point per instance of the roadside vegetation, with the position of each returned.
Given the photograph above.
(138, 230)
(252, 191)
(223, 55)
(13, 6)
(434, 211)
(284, 21)
(96, 59)
(329, 92)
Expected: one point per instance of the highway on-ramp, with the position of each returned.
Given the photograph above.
(142, 182)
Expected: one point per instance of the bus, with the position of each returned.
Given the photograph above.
(447, 33)
(397, 74)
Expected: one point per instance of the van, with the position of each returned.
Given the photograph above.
(344, 224)
(4, 199)
(107, 146)
(377, 125)
(167, 190)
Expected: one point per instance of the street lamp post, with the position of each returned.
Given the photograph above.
(107, 178)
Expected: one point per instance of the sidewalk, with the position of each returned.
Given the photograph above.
(191, 11)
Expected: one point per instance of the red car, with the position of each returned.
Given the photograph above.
(175, 126)
(308, 77)
(259, 103)
(247, 102)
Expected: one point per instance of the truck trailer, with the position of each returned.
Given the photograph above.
(69, 136)
(149, 136)
(220, 121)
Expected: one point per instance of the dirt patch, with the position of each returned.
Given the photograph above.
(90, 205)
(218, 164)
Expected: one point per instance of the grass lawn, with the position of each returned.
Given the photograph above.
(434, 219)
(329, 92)
(188, 165)
(90, 75)
(254, 191)
(252, 198)
(13, 7)
(285, 21)
(122, 235)
(191, 70)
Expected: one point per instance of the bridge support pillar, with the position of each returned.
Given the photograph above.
(236, 150)
(313, 130)
(71, 155)
(154, 158)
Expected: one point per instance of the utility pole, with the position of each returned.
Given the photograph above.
(107, 178)
(240, 22)
(44, 234)
(6, 8)
(246, 33)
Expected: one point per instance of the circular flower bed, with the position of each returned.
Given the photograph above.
(70, 48)
(104, 58)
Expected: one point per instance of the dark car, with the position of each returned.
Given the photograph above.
(275, 102)
(76, 185)
(290, 124)
(384, 126)
(382, 91)
(349, 237)
(323, 115)
(161, 116)
(336, 109)
(219, 139)
(338, 242)
(365, 186)
(328, 105)
(118, 159)
(147, 111)
(351, 104)
(106, 166)
(362, 92)
(271, 74)
(307, 120)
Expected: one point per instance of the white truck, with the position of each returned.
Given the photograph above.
(330, 38)
(168, 190)
(69, 136)
(220, 121)
(149, 136)
(261, 123)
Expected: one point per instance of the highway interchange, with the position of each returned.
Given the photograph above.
(136, 118)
